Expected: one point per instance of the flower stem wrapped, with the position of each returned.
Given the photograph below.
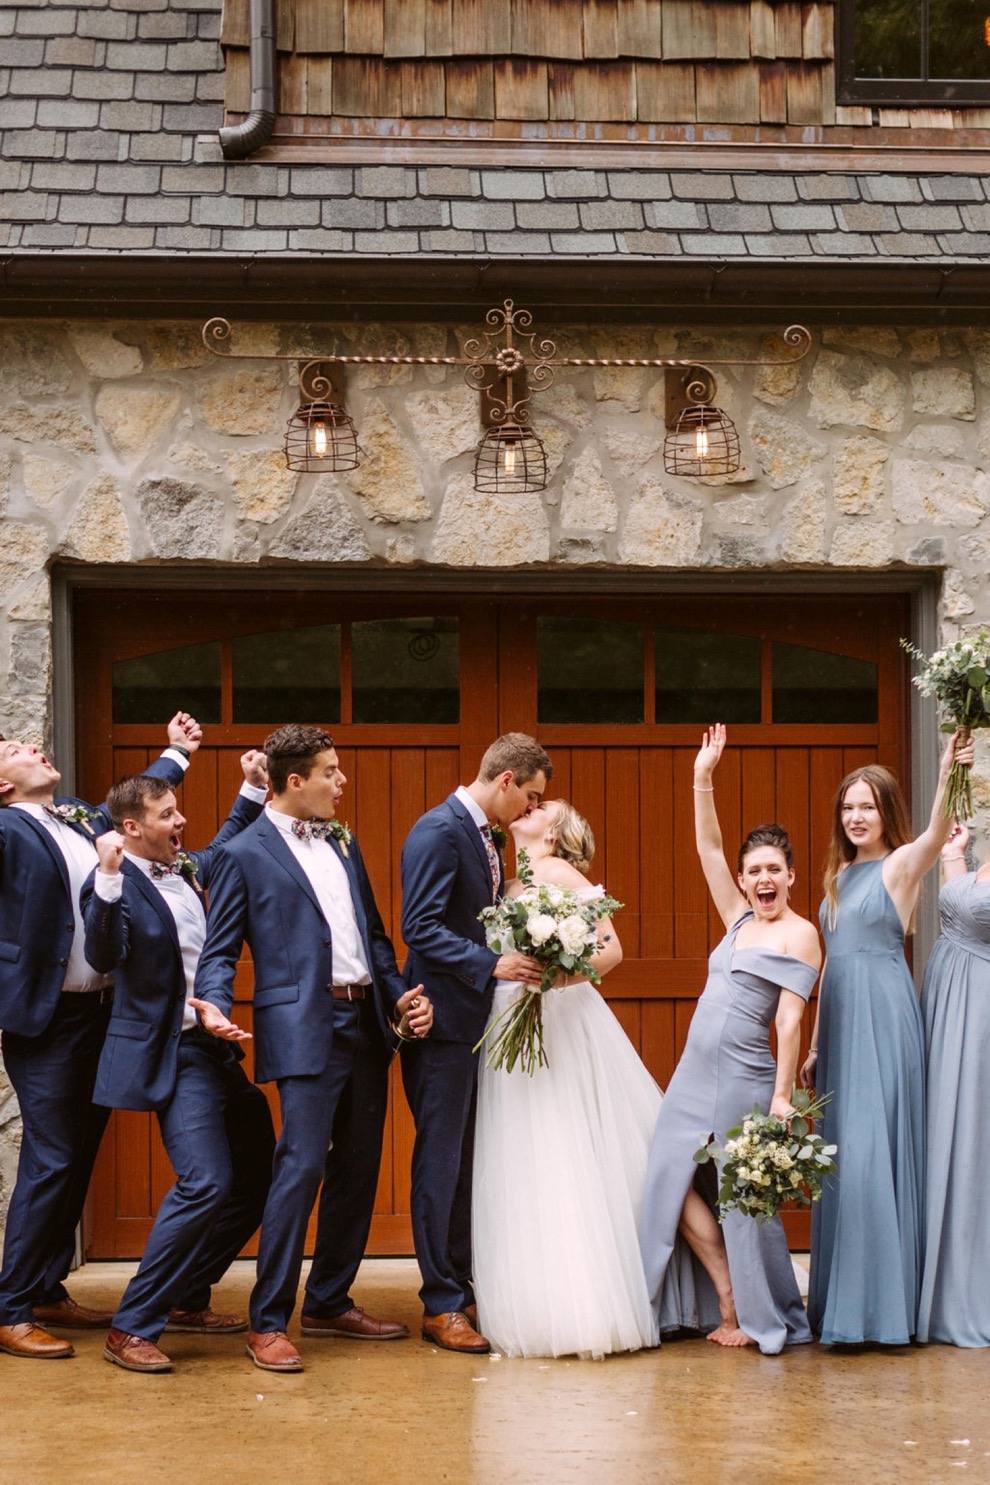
(958, 677)
(766, 1162)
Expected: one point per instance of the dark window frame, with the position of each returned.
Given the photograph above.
(924, 91)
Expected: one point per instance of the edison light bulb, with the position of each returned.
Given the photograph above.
(701, 442)
(319, 439)
(510, 459)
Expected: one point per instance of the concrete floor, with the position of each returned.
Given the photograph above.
(406, 1412)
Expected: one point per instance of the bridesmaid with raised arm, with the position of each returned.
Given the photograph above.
(955, 1008)
(733, 1281)
(867, 1052)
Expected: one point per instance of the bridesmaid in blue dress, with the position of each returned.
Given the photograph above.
(955, 1007)
(734, 1281)
(867, 1052)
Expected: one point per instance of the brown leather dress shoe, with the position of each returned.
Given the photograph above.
(27, 1339)
(68, 1315)
(273, 1351)
(470, 1313)
(135, 1354)
(454, 1332)
(356, 1324)
(205, 1322)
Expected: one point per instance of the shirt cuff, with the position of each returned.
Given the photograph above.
(108, 888)
(177, 757)
(254, 791)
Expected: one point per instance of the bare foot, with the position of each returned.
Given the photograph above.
(730, 1335)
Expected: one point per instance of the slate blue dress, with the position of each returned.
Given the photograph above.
(955, 1005)
(867, 1230)
(726, 1067)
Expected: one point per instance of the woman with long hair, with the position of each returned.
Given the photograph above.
(867, 1053)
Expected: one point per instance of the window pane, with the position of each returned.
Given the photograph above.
(888, 38)
(155, 687)
(956, 39)
(405, 670)
(292, 675)
(707, 677)
(817, 686)
(589, 671)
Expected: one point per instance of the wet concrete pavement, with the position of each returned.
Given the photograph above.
(404, 1411)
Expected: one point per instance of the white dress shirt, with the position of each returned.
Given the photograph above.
(332, 886)
(79, 853)
(186, 906)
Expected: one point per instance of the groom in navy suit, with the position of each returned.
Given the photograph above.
(328, 1000)
(145, 922)
(451, 870)
(54, 1009)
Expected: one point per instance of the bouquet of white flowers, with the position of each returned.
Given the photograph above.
(958, 677)
(765, 1162)
(554, 926)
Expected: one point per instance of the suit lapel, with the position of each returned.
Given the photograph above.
(272, 839)
(477, 843)
(147, 889)
(51, 846)
(355, 886)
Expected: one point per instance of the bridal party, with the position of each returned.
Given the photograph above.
(563, 1204)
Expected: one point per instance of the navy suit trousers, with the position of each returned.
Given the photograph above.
(218, 1133)
(441, 1083)
(53, 1076)
(345, 1103)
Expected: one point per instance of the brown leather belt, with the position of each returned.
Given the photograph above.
(348, 992)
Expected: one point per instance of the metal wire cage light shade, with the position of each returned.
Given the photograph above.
(703, 442)
(510, 460)
(321, 439)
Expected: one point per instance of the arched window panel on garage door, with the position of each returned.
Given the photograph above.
(405, 670)
(821, 686)
(287, 676)
(589, 670)
(152, 688)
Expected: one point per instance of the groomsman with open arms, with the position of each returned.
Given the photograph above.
(327, 997)
(451, 870)
(143, 910)
(54, 1009)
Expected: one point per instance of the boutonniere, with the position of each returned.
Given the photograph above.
(73, 814)
(341, 834)
(499, 837)
(188, 867)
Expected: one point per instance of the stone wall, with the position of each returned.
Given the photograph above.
(130, 443)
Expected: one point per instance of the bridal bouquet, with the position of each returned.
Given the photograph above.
(764, 1163)
(553, 925)
(959, 679)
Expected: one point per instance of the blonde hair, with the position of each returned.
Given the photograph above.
(893, 813)
(570, 836)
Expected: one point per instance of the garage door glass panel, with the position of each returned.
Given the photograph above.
(589, 671)
(405, 670)
(153, 688)
(287, 676)
(819, 686)
(703, 677)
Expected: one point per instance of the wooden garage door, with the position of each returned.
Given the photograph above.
(413, 689)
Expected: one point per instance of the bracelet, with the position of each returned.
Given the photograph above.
(699, 790)
(812, 1049)
(178, 748)
(953, 858)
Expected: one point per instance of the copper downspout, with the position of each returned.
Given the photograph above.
(241, 140)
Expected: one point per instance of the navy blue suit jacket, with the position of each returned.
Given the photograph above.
(446, 881)
(36, 915)
(261, 896)
(135, 938)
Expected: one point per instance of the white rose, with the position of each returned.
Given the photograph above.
(540, 927)
(573, 934)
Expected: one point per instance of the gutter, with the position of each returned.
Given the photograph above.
(241, 140)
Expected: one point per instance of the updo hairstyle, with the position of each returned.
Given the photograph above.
(569, 836)
(767, 835)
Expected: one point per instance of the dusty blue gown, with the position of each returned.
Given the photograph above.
(955, 1006)
(866, 1232)
(726, 1067)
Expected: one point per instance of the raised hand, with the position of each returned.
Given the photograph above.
(216, 1023)
(185, 730)
(254, 765)
(712, 744)
(110, 851)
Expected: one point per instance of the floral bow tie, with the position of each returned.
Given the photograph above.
(72, 814)
(183, 866)
(159, 870)
(323, 830)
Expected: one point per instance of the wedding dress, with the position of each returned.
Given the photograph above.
(559, 1168)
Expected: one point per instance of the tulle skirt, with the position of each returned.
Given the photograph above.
(560, 1164)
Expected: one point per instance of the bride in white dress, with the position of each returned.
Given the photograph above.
(560, 1157)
